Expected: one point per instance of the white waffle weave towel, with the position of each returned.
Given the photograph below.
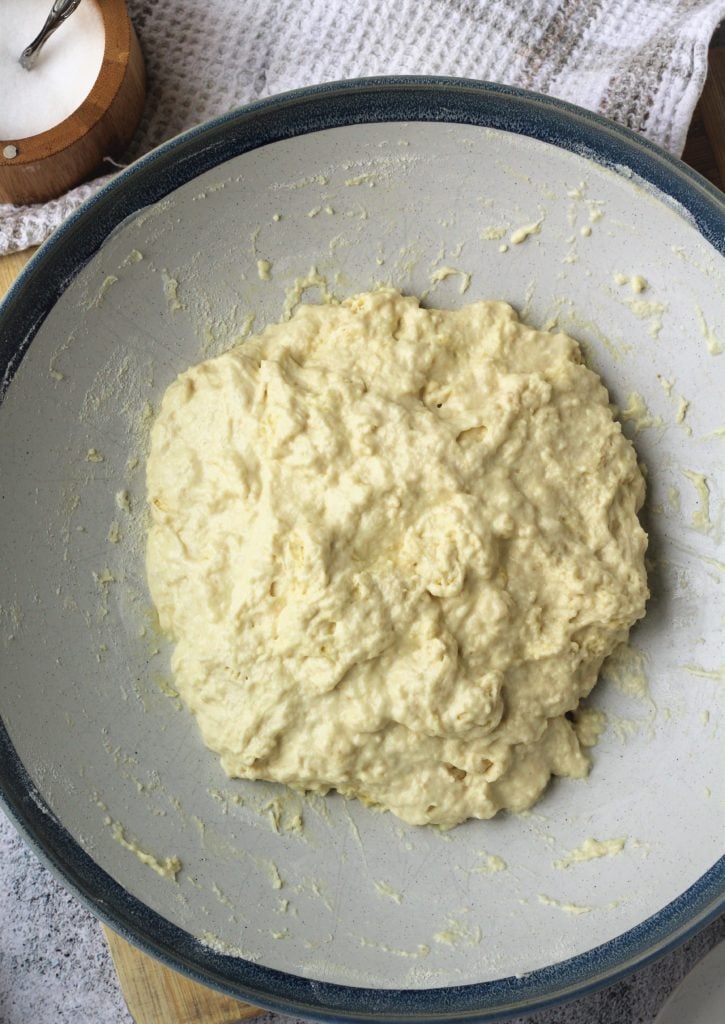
(641, 62)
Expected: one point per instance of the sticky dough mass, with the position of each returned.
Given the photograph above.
(393, 546)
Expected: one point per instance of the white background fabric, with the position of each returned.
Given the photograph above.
(640, 62)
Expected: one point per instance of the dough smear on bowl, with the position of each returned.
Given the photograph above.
(393, 546)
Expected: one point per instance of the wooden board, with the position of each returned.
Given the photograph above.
(154, 993)
(10, 267)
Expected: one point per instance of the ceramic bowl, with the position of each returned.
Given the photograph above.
(357, 916)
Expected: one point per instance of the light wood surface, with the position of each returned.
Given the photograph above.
(154, 993)
(157, 995)
(10, 267)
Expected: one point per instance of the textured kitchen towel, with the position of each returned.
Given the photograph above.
(641, 62)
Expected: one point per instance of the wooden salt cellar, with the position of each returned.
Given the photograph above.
(50, 163)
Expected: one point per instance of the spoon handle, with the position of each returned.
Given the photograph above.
(60, 10)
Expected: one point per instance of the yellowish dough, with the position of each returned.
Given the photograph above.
(393, 546)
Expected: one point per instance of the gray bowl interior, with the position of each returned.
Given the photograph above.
(354, 896)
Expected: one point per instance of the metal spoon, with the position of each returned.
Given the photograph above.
(60, 10)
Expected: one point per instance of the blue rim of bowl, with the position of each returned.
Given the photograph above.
(27, 304)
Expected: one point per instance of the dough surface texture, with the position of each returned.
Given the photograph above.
(393, 546)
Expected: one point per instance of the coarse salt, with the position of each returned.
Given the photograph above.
(66, 68)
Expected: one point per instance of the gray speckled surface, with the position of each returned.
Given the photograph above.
(55, 967)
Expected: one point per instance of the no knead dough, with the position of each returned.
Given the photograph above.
(393, 546)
